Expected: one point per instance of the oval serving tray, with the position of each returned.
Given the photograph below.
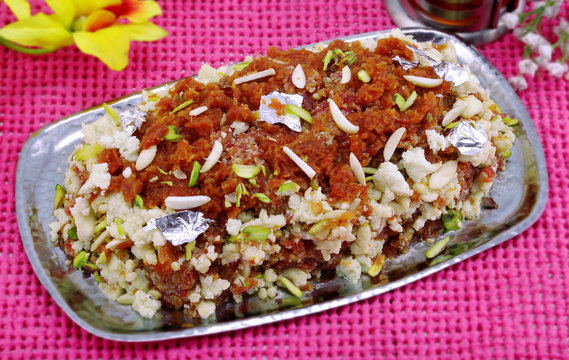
(520, 191)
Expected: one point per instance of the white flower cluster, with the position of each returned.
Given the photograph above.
(539, 51)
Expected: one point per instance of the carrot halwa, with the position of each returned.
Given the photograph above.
(363, 164)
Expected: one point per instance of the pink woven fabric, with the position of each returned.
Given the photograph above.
(509, 302)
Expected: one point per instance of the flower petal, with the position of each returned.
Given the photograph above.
(99, 19)
(145, 31)
(85, 7)
(40, 30)
(135, 10)
(64, 10)
(110, 45)
(20, 8)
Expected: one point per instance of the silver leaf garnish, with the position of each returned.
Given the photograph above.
(444, 69)
(181, 227)
(406, 64)
(268, 114)
(467, 138)
(131, 120)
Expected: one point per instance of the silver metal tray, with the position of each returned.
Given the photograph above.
(520, 191)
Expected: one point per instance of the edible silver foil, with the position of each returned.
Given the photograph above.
(131, 120)
(444, 69)
(467, 138)
(406, 64)
(181, 227)
(270, 115)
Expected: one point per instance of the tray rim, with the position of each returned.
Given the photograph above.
(287, 314)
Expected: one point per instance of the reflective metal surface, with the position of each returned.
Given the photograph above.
(477, 21)
(520, 192)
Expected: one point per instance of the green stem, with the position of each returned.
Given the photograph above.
(10, 45)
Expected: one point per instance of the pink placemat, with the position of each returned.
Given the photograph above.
(509, 302)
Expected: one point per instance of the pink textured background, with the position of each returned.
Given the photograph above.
(508, 302)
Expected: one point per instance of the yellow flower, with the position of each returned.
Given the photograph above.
(93, 25)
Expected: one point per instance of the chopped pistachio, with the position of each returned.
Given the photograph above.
(256, 233)
(181, 106)
(80, 259)
(101, 225)
(510, 122)
(238, 194)
(227, 203)
(507, 154)
(173, 134)
(495, 118)
(102, 259)
(138, 202)
(451, 125)
(169, 183)
(164, 172)
(242, 65)
(363, 75)
(298, 111)
(246, 171)
(291, 287)
(154, 179)
(437, 248)
(369, 170)
(410, 100)
(87, 152)
(262, 197)
(112, 112)
(375, 269)
(59, 196)
(452, 220)
(195, 174)
(288, 186)
(98, 278)
(72, 233)
(120, 228)
(236, 238)
(319, 226)
(349, 58)
(264, 170)
(399, 100)
(253, 182)
(369, 178)
(189, 248)
(329, 56)
(91, 266)
(440, 259)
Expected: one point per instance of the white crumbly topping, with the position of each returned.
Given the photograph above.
(415, 164)
(436, 141)
(205, 309)
(388, 177)
(297, 276)
(350, 269)
(239, 127)
(98, 179)
(212, 288)
(145, 304)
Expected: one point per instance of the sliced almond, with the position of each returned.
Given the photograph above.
(346, 75)
(298, 77)
(357, 169)
(392, 143)
(198, 111)
(455, 112)
(341, 120)
(213, 156)
(255, 76)
(423, 81)
(186, 202)
(443, 175)
(146, 157)
(298, 161)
